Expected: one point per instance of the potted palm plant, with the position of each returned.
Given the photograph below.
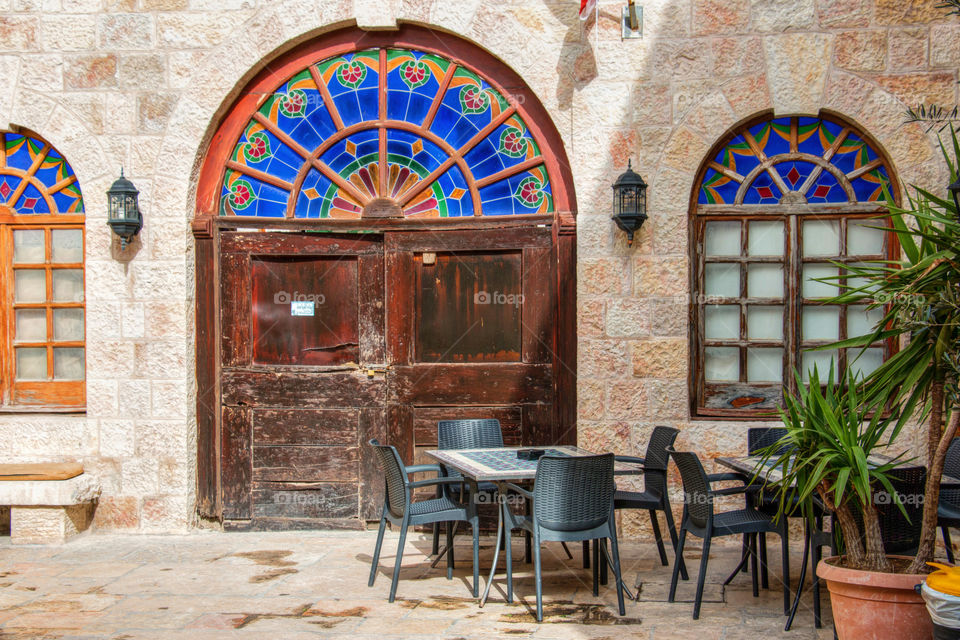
(831, 434)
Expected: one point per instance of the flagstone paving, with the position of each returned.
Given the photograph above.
(295, 585)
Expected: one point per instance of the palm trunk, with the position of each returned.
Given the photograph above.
(876, 557)
(848, 525)
(931, 494)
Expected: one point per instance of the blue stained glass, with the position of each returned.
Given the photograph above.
(410, 105)
(490, 156)
(64, 200)
(315, 195)
(21, 159)
(269, 201)
(850, 155)
(401, 143)
(868, 188)
(314, 127)
(724, 191)
(737, 156)
(499, 197)
(817, 143)
(762, 191)
(449, 183)
(339, 158)
(794, 174)
(32, 201)
(359, 104)
(283, 162)
(826, 189)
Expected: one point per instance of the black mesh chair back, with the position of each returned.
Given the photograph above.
(899, 534)
(573, 493)
(696, 488)
(951, 467)
(657, 457)
(394, 477)
(474, 433)
(762, 437)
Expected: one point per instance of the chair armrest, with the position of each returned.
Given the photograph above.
(722, 477)
(520, 490)
(423, 468)
(434, 481)
(732, 491)
(630, 459)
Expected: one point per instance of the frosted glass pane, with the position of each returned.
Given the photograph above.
(68, 324)
(722, 239)
(861, 320)
(765, 365)
(856, 283)
(866, 361)
(765, 239)
(68, 285)
(764, 323)
(821, 238)
(28, 246)
(764, 281)
(67, 245)
(722, 280)
(820, 323)
(721, 364)
(32, 363)
(68, 364)
(813, 289)
(862, 240)
(30, 285)
(722, 322)
(31, 325)
(825, 361)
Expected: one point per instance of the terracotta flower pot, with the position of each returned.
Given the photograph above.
(869, 605)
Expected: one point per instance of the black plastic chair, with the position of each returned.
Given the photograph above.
(700, 520)
(473, 433)
(571, 501)
(948, 509)
(654, 496)
(401, 511)
(759, 438)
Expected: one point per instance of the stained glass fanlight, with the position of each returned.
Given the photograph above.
(386, 132)
(35, 178)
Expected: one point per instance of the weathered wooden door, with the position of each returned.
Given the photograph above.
(471, 330)
(302, 376)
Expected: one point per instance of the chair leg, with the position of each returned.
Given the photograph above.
(376, 551)
(566, 550)
(508, 556)
(764, 577)
(946, 542)
(585, 549)
(702, 577)
(603, 561)
(450, 566)
(817, 622)
(656, 536)
(668, 513)
(596, 568)
(537, 577)
(785, 566)
(396, 567)
(436, 539)
(752, 550)
(476, 556)
(745, 552)
(615, 565)
(676, 565)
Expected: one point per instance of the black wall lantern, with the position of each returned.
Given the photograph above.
(955, 192)
(124, 213)
(629, 202)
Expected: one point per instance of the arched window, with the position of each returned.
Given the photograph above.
(41, 231)
(778, 202)
(386, 132)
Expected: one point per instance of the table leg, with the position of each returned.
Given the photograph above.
(496, 547)
(807, 542)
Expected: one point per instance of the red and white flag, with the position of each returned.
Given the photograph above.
(586, 8)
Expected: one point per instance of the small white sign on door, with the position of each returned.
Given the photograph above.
(301, 308)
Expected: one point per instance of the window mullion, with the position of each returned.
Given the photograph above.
(793, 275)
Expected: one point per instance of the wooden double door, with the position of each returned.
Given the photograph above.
(331, 339)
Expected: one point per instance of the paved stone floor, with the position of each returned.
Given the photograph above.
(314, 584)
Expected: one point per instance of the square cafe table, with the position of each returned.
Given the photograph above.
(748, 466)
(502, 466)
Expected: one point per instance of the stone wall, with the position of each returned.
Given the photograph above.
(142, 83)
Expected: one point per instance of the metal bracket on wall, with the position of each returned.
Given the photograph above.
(631, 21)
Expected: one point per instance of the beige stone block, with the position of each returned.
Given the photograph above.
(669, 317)
(667, 399)
(845, 92)
(196, 30)
(590, 318)
(158, 280)
(603, 276)
(713, 17)
(685, 150)
(945, 45)
(776, 15)
(90, 71)
(183, 66)
(48, 525)
(590, 397)
(168, 399)
(661, 277)
(42, 72)
(860, 50)
(139, 476)
(32, 108)
(907, 49)
(110, 358)
(712, 116)
(19, 33)
(627, 318)
(797, 66)
(47, 438)
(165, 319)
(168, 238)
(117, 438)
(88, 109)
(132, 320)
(164, 5)
(748, 94)
(682, 59)
(669, 232)
(68, 33)
(142, 72)
(602, 359)
(163, 359)
(917, 88)
(165, 514)
(659, 358)
(844, 13)
(627, 400)
(154, 110)
(176, 475)
(101, 394)
(81, 6)
(117, 513)
(605, 436)
(134, 398)
(897, 12)
(672, 186)
(737, 56)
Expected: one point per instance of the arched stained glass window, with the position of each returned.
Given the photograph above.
(42, 353)
(386, 132)
(781, 205)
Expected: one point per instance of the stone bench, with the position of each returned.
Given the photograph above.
(49, 503)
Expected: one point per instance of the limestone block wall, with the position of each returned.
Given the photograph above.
(142, 83)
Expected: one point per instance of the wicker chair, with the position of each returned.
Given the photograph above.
(404, 513)
(759, 438)
(948, 510)
(475, 433)
(654, 496)
(572, 500)
(700, 520)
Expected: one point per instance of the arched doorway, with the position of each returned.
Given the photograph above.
(385, 238)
